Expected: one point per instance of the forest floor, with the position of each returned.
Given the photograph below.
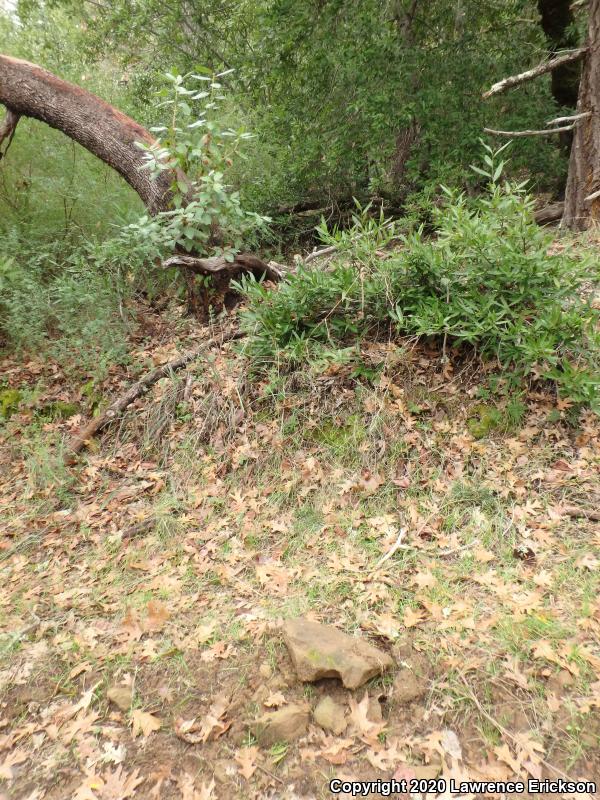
(158, 570)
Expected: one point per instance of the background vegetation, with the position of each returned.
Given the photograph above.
(349, 103)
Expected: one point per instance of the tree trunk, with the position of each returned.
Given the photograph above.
(558, 23)
(30, 91)
(582, 198)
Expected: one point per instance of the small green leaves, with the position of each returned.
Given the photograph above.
(485, 282)
(202, 150)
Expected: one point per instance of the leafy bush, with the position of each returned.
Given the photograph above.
(489, 280)
(201, 150)
(71, 306)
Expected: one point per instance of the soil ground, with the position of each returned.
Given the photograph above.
(165, 560)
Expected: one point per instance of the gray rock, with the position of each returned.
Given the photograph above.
(330, 716)
(321, 651)
(284, 725)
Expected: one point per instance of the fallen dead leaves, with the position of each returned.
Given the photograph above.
(213, 725)
(494, 569)
(144, 723)
(246, 759)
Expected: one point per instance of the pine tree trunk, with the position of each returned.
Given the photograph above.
(584, 164)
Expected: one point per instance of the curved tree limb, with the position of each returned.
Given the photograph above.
(531, 74)
(547, 132)
(31, 91)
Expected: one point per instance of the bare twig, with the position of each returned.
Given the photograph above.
(457, 549)
(270, 774)
(586, 513)
(573, 118)
(324, 251)
(515, 134)
(530, 74)
(189, 387)
(395, 547)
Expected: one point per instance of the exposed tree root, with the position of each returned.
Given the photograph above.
(218, 265)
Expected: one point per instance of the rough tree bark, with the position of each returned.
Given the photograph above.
(582, 196)
(558, 23)
(30, 91)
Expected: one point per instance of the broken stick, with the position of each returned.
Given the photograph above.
(80, 440)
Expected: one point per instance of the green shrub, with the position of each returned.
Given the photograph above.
(9, 402)
(487, 280)
(202, 151)
(71, 306)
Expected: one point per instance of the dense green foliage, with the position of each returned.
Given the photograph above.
(72, 305)
(347, 99)
(196, 147)
(65, 276)
(374, 101)
(487, 280)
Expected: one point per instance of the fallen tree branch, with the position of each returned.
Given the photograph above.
(324, 251)
(7, 129)
(514, 134)
(530, 74)
(80, 440)
(243, 262)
